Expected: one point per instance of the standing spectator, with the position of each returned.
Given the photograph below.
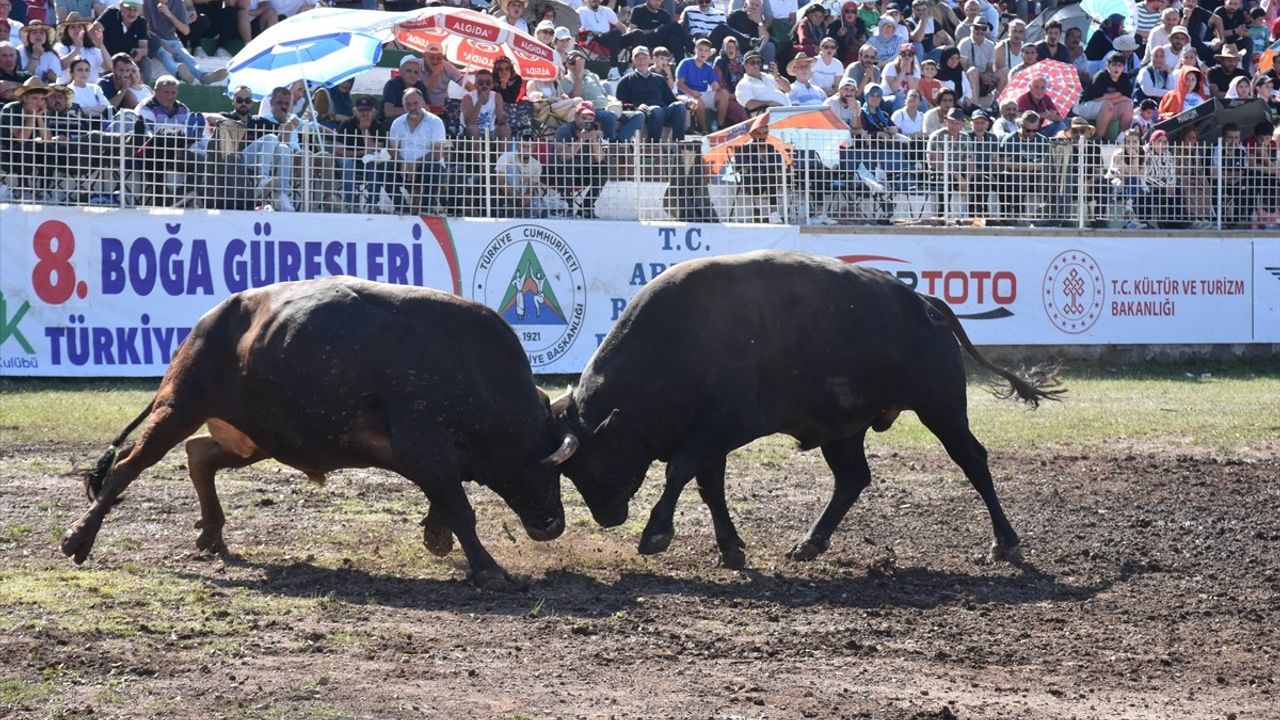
(827, 69)
(696, 80)
(948, 159)
(1109, 97)
(1007, 124)
(1037, 98)
(1189, 90)
(803, 91)
(756, 90)
(1126, 172)
(760, 171)
(394, 89)
(417, 144)
(1160, 176)
(1227, 69)
(580, 159)
(1051, 47)
(599, 23)
(362, 159)
(848, 31)
(78, 41)
(483, 112)
(845, 104)
(1022, 160)
(165, 19)
(38, 56)
(649, 94)
(910, 119)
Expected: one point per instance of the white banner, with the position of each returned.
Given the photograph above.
(111, 293)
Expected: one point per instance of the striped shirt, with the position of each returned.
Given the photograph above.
(702, 23)
(1144, 20)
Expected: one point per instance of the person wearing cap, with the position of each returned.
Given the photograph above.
(648, 93)
(513, 15)
(68, 127)
(1154, 81)
(1169, 18)
(38, 57)
(949, 159)
(393, 90)
(698, 84)
(77, 41)
(980, 147)
(760, 168)
(25, 132)
(417, 143)
(545, 32)
(580, 160)
(972, 12)
(978, 57)
(803, 91)
(578, 82)
(483, 112)
(652, 26)
(599, 23)
(1109, 96)
(165, 20)
(758, 90)
(11, 73)
(1227, 69)
(1178, 39)
(1022, 160)
(363, 161)
(845, 104)
(563, 42)
(437, 73)
(1085, 155)
(1037, 98)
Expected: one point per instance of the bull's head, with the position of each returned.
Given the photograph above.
(603, 471)
(535, 495)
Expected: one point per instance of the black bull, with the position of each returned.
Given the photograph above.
(717, 352)
(343, 373)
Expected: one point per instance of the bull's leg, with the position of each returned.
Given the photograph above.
(953, 430)
(435, 535)
(165, 428)
(847, 459)
(660, 529)
(711, 488)
(205, 457)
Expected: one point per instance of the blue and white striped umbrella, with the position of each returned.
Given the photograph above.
(324, 59)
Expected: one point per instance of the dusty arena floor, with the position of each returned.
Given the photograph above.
(1151, 590)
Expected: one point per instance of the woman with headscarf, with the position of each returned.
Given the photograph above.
(1189, 90)
(875, 119)
(848, 31)
(1102, 43)
(1154, 81)
(810, 30)
(1160, 174)
(952, 75)
(1239, 89)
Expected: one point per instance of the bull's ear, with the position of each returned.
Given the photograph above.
(545, 399)
(605, 423)
(564, 407)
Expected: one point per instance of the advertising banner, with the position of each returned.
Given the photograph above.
(111, 293)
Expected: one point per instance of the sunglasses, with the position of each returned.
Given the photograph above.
(242, 100)
(484, 83)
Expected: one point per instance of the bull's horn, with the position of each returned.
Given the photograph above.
(566, 450)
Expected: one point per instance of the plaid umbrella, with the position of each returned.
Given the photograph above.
(1062, 83)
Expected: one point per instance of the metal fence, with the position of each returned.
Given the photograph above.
(949, 180)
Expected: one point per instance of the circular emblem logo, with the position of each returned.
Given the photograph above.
(1074, 292)
(532, 277)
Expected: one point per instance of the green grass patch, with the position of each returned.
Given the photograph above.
(20, 693)
(69, 411)
(13, 532)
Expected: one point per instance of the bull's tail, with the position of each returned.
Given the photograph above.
(94, 479)
(1041, 383)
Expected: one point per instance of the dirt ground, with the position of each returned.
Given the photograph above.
(1151, 590)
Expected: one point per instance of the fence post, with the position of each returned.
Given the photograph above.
(124, 148)
(784, 208)
(947, 146)
(1081, 189)
(487, 169)
(808, 190)
(636, 174)
(305, 132)
(1222, 162)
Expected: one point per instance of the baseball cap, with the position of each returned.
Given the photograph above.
(640, 50)
(364, 103)
(980, 114)
(131, 3)
(563, 33)
(410, 59)
(545, 25)
(586, 107)
(955, 114)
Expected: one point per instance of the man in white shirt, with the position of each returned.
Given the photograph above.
(514, 15)
(600, 23)
(757, 90)
(417, 144)
(1179, 38)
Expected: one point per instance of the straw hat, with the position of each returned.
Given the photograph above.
(49, 31)
(74, 18)
(799, 59)
(1080, 125)
(33, 84)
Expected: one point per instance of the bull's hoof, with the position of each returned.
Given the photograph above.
(437, 538)
(805, 550)
(654, 543)
(1012, 554)
(211, 541)
(77, 542)
(733, 558)
(498, 580)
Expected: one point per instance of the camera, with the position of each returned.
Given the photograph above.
(591, 126)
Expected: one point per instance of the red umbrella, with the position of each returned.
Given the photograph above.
(476, 40)
(1062, 83)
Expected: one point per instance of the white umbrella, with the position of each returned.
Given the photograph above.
(322, 47)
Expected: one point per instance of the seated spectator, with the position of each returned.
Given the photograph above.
(1102, 42)
(175, 131)
(977, 57)
(1127, 48)
(38, 57)
(165, 20)
(928, 84)
(649, 94)
(11, 73)
(1074, 40)
(77, 41)
(215, 20)
(417, 145)
(1159, 37)
(1154, 82)
(845, 103)
(1178, 40)
(1007, 123)
(1051, 47)
(910, 119)
(288, 8)
(1146, 17)
(926, 25)
(507, 81)
(749, 26)
(1249, 187)
(1227, 69)
(663, 68)
(1029, 58)
(696, 81)
(124, 30)
(25, 134)
(564, 42)
(901, 76)
(86, 93)
(1264, 89)
(513, 15)
(850, 33)
(972, 10)
(951, 74)
(827, 69)
(363, 161)
(1022, 160)
(117, 87)
(652, 26)
(253, 17)
(334, 106)
(437, 73)
(702, 19)
(884, 41)
(943, 101)
(758, 91)
(578, 82)
(10, 26)
(866, 71)
(524, 191)
(483, 112)
(393, 90)
(257, 146)
(1234, 30)
(580, 160)
(1189, 90)
(1147, 115)
(1037, 98)
(760, 169)
(1009, 52)
(803, 91)
(600, 24)
(1109, 97)
(875, 121)
(1241, 89)
(811, 29)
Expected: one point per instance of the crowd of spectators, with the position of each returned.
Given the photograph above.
(919, 86)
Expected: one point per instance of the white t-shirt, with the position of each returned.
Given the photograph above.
(763, 88)
(48, 61)
(89, 96)
(780, 9)
(519, 24)
(826, 75)
(414, 145)
(598, 21)
(89, 52)
(908, 126)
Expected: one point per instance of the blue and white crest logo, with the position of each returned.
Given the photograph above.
(532, 277)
